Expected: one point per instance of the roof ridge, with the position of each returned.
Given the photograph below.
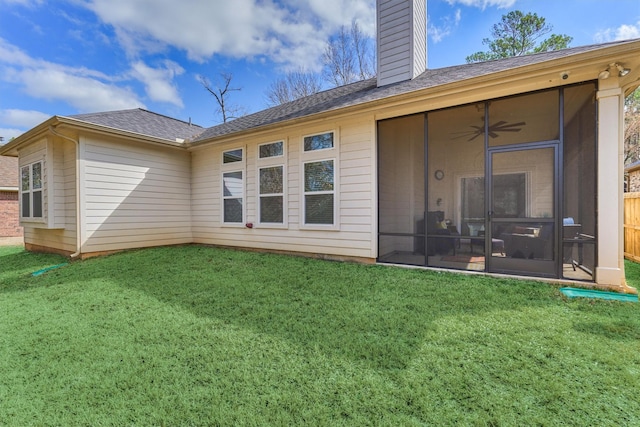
(128, 110)
(190, 123)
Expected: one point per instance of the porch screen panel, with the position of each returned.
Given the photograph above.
(456, 213)
(579, 204)
(401, 190)
(525, 118)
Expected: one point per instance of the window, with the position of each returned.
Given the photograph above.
(232, 156)
(319, 192)
(273, 149)
(319, 180)
(271, 195)
(271, 183)
(233, 186)
(31, 190)
(318, 142)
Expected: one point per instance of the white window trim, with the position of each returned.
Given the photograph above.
(269, 162)
(29, 192)
(320, 155)
(228, 168)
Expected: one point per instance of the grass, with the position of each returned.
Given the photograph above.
(204, 336)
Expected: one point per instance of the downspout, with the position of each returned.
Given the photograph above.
(78, 212)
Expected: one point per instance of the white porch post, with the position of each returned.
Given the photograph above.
(610, 266)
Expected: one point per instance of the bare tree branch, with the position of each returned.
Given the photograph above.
(221, 93)
(294, 85)
(338, 59)
(365, 55)
(348, 57)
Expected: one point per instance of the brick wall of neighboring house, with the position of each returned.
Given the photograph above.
(9, 215)
(9, 208)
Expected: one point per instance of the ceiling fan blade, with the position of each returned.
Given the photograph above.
(498, 124)
(509, 125)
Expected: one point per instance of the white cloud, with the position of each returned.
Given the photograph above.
(483, 4)
(158, 82)
(334, 13)
(22, 118)
(83, 93)
(8, 133)
(83, 88)
(623, 32)
(239, 28)
(447, 24)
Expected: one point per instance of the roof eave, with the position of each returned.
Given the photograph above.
(11, 149)
(88, 126)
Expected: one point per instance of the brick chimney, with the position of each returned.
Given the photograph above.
(401, 40)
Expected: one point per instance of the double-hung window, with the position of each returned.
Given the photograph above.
(233, 171)
(271, 183)
(31, 191)
(319, 179)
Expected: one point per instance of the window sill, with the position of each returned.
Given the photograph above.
(232, 225)
(37, 223)
(319, 227)
(267, 225)
(32, 221)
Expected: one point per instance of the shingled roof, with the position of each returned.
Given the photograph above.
(367, 91)
(143, 122)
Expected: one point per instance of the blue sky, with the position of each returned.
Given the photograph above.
(67, 57)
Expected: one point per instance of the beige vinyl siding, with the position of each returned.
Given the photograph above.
(354, 156)
(59, 229)
(64, 178)
(63, 236)
(134, 195)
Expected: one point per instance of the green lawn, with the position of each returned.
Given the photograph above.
(203, 336)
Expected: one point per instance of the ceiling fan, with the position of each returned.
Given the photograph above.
(500, 126)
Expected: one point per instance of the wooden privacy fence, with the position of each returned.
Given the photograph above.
(632, 226)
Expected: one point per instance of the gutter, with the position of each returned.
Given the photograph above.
(10, 149)
(78, 211)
